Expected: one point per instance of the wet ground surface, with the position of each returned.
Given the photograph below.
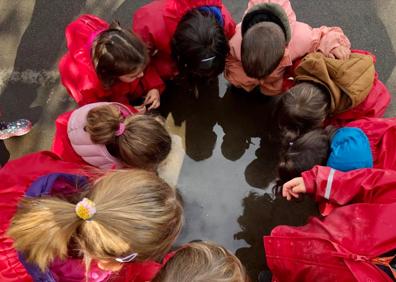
(230, 146)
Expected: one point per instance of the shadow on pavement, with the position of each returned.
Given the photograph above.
(37, 52)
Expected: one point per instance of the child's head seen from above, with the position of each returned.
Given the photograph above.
(265, 35)
(202, 261)
(131, 213)
(302, 154)
(118, 55)
(199, 44)
(143, 143)
(302, 108)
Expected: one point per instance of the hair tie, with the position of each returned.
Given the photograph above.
(121, 129)
(128, 258)
(85, 209)
(208, 59)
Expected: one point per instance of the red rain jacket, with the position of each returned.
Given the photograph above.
(78, 74)
(16, 177)
(381, 133)
(374, 105)
(156, 23)
(61, 144)
(339, 247)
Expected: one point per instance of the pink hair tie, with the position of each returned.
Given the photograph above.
(120, 130)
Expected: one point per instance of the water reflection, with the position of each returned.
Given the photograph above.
(245, 116)
(199, 113)
(242, 116)
(260, 215)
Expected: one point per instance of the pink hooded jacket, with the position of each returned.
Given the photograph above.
(94, 154)
(304, 39)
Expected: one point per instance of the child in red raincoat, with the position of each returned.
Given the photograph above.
(107, 63)
(355, 242)
(187, 36)
(363, 143)
(51, 211)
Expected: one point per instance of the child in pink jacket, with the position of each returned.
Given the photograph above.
(269, 39)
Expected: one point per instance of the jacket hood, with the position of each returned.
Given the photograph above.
(350, 150)
(95, 154)
(267, 12)
(347, 81)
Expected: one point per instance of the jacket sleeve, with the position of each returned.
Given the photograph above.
(141, 27)
(229, 23)
(363, 185)
(152, 80)
(325, 39)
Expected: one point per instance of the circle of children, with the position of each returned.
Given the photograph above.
(94, 208)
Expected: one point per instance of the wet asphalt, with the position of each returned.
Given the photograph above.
(230, 144)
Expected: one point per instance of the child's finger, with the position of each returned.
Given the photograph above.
(298, 189)
(149, 100)
(291, 183)
(285, 192)
(154, 105)
(295, 195)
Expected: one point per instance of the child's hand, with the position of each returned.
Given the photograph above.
(293, 188)
(153, 99)
(340, 52)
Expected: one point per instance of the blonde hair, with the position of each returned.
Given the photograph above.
(144, 144)
(202, 262)
(136, 212)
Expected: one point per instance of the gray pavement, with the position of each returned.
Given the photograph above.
(230, 149)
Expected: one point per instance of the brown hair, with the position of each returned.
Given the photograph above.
(303, 153)
(136, 212)
(116, 52)
(202, 261)
(263, 47)
(302, 108)
(144, 143)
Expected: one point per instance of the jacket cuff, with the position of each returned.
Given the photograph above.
(309, 180)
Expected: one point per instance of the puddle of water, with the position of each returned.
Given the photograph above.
(229, 170)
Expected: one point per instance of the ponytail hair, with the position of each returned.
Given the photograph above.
(42, 228)
(136, 212)
(117, 52)
(144, 143)
(302, 154)
(302, 108)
